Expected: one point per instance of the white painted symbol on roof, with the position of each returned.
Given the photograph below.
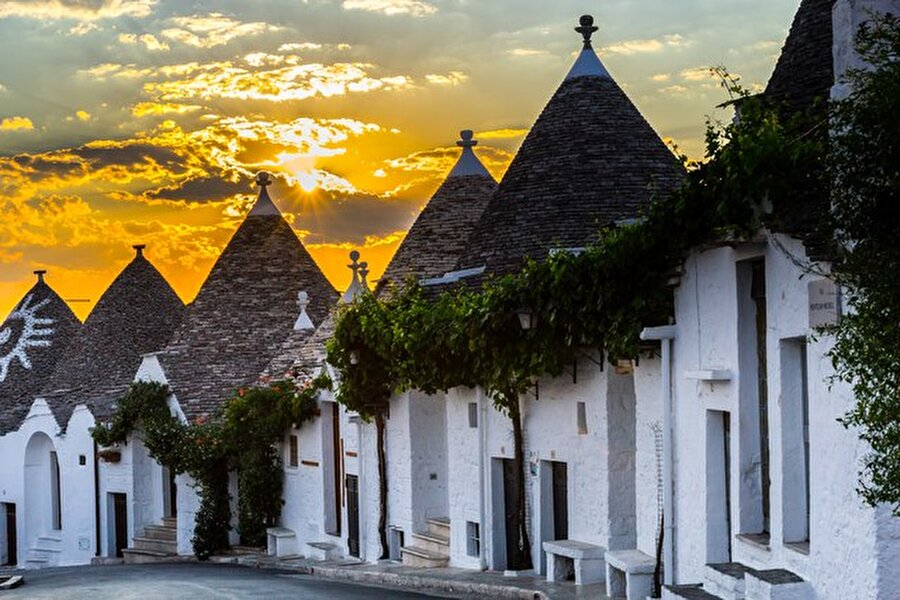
(35, 330)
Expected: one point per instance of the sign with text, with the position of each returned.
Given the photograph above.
(824, 303)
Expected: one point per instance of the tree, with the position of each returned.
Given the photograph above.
(865, 169)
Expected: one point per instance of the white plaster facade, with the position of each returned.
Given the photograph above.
(710, 336)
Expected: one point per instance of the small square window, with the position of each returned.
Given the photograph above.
(82, 460)
(293, 458)
(582, 418)
(473, 539)
(473, 414)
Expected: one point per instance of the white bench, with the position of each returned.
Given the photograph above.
(281, 541)
(586, 560)
(629, 574)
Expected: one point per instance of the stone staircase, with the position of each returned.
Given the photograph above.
(158, 543)
(45, 552)
(736, 581)
(429, 549)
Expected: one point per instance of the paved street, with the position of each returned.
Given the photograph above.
(187, 581)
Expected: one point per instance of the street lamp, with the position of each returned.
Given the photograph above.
(527, 319)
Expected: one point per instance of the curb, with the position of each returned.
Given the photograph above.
(419, 582)
(8, 583)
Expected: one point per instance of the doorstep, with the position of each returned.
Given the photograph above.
(447, 580)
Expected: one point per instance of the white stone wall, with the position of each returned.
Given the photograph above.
(843, 531)
(848, 15)
(648, 460)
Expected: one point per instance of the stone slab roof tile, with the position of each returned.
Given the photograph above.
(135, 315)
(33, 339)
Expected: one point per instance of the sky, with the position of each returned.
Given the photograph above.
(129, 122)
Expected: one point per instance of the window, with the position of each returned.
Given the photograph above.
(473, 414)
(582, 418)
(473, 539)
(293, 458)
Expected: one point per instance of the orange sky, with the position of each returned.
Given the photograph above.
(143, 121)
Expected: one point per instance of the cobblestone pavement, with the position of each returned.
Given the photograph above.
(188, 581)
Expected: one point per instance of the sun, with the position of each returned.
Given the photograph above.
(35, 330)
(307, 180)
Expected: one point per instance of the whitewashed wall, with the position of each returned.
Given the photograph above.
(843, 531)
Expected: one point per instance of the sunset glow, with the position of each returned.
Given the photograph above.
(144, 121)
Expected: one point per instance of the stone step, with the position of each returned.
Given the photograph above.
(134, 556)
(777, 584)
(49, 539)
(726, 580)
(158, 532)
(439, 526)
(164, 546)
(686, 592)
(438, 544)
(421, 558)
(322, 551)
(10, 582)
(170, 522)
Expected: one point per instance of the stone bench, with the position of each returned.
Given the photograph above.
(629, 574)
(281, 541)
(564, 556)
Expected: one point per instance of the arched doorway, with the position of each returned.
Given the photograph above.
(43, 501)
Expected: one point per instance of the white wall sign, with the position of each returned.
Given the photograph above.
(824, 303)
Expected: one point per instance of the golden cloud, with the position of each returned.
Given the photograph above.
(453, 78)
(16, 123)
(83, 10)
(149, 41)
(500, 134)
(215, 29)
(415, 8)
(143, 109)
(629, 47)
(290, 82)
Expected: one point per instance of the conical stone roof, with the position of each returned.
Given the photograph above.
(801, 84)
(589, 160)
(33, 338)
(438, 237)
(135, 315)
(244, 311)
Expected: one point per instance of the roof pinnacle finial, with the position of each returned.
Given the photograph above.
(356, 287)
(263, 179)
(587, 29)
(139, 250)
(40, 275)
(466, 139)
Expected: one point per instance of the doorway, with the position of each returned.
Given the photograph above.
(718, 486)
(515, 554)
(353, 515)
(560, 500)
(8, 520)
(170, 493)
(118, 510)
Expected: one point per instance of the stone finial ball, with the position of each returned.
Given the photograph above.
(466, 135)
(586, 21)
(263, 178)
(354, 255)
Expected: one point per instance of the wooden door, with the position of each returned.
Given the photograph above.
(560, 501)
(353, 514)
(515, 559)
(120, 518)
(11, 538)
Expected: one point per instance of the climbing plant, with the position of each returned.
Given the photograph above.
(597, 299)
(243, 436)
(865, 168)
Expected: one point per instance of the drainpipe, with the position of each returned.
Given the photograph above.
(665, 335)
(482, 479)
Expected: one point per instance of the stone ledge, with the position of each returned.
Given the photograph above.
(631, 561)
(574, 549)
